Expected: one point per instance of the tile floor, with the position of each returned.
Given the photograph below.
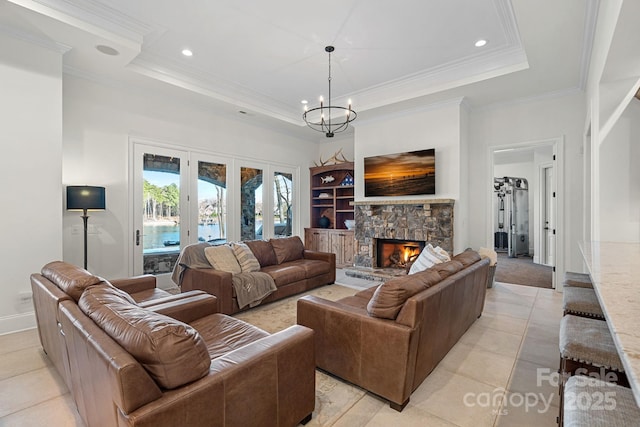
(499, 374)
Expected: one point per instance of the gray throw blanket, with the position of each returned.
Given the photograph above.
(192, 256)
(252, 288)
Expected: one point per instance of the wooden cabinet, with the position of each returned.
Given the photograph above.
(340, 242)
(332, 193)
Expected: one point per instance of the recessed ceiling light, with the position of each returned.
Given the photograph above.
(187, 52)
(107, 50)
(481, 43)
(304, 102)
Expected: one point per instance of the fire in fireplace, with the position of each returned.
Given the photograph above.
(393, 253)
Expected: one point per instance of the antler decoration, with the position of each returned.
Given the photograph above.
(337, 158)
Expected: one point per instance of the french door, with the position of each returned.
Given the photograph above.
(160, 208)
(179, 198)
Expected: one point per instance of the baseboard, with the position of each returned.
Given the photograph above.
(17, 322)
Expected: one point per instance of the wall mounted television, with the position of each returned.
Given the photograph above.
(401, 174)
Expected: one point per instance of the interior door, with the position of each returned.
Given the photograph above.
(549, 215)
(160, 207)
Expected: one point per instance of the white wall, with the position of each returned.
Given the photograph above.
(31, 192)
(98, 122)
(536, 120)
(338, 144)
(620, 179)
(433, 126)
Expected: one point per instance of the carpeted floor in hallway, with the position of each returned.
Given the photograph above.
(522, 271)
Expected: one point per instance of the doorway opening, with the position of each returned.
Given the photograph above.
(524, 211)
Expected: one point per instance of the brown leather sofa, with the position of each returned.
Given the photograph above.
(177, 362)
(293, 268)
(388, 339)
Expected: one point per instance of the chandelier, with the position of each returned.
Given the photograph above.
(329, 119)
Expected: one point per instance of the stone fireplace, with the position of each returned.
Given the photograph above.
(414, 221)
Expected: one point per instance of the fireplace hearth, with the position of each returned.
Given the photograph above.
(393, 253)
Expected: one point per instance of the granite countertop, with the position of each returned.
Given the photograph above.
(615, 271)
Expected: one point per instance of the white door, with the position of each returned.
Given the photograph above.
(160, 210)
(549, 215)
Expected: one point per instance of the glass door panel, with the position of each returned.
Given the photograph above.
(160, 233)
(283, 202)
(212, 202)
(250, 203)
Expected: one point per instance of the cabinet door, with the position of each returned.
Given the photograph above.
(316, 240)
(341, 244)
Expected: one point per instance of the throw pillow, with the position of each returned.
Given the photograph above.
(388, 299)
(222, 258)
(425, 260)
(172, 352)
(439, 253)
(247, 260)
(287, 248)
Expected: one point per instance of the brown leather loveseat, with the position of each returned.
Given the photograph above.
(175, 363)
(293, 269)
(387, 339)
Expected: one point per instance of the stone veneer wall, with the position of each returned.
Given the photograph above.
(424, 220)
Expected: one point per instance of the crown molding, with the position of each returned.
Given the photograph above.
(454, 74)
(269, 124)
(31, 38)
(453, 102)
(528, 99)
(223, 90)
(94, 17)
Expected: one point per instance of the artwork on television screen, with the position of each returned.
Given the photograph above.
(401, 174)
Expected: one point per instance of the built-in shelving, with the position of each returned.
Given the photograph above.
(332, 194)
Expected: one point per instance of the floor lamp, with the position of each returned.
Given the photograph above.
(84, 197)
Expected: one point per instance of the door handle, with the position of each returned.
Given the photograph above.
(137, 237)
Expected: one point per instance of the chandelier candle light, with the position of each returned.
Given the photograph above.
(320, 118)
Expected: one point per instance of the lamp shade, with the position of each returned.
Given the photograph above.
(85, 197)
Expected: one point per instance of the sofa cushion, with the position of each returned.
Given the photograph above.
(426, 259)
(448, 268)
(222, 333)
(287, 248)
(311, 267)
(172, 352)
(263, 251)
(285, 274)
(247, 260)
(467, 257)
(222, 258)
(71, 279)
(389, 297)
